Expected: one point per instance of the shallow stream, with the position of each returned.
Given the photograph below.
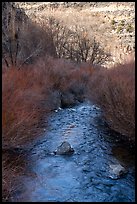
(85, 175)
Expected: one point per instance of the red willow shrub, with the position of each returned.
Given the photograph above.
(22, 96)
(114, 90)
(36, 89)
(68, 81)
(13, 166)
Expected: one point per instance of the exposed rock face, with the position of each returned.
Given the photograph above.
(64, 149)
(116, 171)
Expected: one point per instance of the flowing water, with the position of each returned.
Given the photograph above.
(85, 175)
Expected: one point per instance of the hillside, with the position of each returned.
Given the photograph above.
(111, 23)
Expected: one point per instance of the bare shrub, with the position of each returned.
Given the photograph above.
(13, 165)
(79, 82)
(68, 81)
(114, 91)
(22, 96)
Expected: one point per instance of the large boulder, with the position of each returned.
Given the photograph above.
(64, 149)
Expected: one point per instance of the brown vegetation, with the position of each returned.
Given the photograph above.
(21, 104)
(114, 91)
(34, 83)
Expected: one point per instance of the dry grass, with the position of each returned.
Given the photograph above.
(114, 91)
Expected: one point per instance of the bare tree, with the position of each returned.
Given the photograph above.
(75, 44)
(23, 40)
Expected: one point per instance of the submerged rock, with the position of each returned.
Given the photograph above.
(64, 148)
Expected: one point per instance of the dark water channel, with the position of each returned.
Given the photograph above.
(85, 175)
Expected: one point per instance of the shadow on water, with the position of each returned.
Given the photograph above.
(85, 175)
(122, 150)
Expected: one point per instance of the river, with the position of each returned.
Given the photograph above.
(85, 175)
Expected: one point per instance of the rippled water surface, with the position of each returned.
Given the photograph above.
(85, 175)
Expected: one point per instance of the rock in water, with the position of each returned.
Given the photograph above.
(117, 171)
(64, 148)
